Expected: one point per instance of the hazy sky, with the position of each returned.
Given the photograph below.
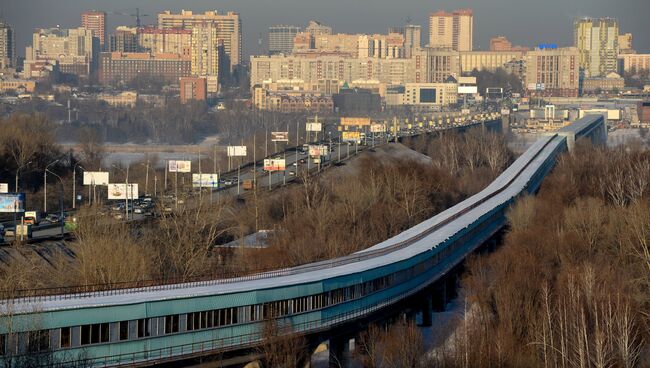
(526, 22)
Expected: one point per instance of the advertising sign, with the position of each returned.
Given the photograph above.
(4, 188)
(467, 90)
(119, 191)
(279, 136)
(205, 180)
(351, 136)
(314, 127)
(13, 202)
(274, 165)
(95, 178)
(180, 166)
(377, 128)
(505, 111)
(236, 151)
(355, 121)
(318, 150)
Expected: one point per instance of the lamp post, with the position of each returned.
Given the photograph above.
(74, 184)
(18, 173)
(45, 183)
(60, 201)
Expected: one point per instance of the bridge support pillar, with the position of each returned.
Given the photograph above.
(339, 352)
(439, 297)
(427, 309)
(451, 286)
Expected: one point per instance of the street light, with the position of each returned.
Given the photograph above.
(74, 184)
(126, 201)
(18, 173)
(45, 183)
(60, 201)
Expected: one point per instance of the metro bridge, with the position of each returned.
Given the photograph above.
(166, 323)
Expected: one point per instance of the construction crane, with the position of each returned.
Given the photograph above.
(138, 17)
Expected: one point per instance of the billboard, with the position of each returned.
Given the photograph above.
(236, 151)
(318, 150)
(180, 166)
(505, 111)
(377, 128)
(355, 121)
(10, 203)
(351, 136)
(279, 136)
(205, 180)
(314, 127)
(4, 188)
(274, 165)
(119, 191)
(95, 178)
(467, 90)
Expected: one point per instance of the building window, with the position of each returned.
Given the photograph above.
(124, 330)
(64, 338)
(38, 341)
(171, 324)
(143, 328)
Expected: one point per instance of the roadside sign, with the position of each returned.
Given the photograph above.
(4, 188)
(205, 180)
(317, 150)
(180, 166)
(351, 136)
(95, 178)
(119, 191)
(274, 165)
(236, 151)
(14, 202)
(314, 127)
(279, 136)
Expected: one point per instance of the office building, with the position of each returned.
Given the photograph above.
(452, 31)
(412, 38)
(74, 50)
(553, 72)
(7, 46)
(193, 89)
(124, 39)
(95, 21)
(165, 41)
(228, 29)
(597, 42)
(488, 60)
(643, 110)
(281, 39)
(206, 54)
(431, 65)
(117, 67)
(430, 94)
(625, 44)
(611, 83)
(318, 29)
(17, 85)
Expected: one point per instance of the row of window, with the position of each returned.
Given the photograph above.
(143, 328)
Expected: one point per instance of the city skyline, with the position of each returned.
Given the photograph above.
(536, 23)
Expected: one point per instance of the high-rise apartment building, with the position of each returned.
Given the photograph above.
(412, 37)
(124, 67)
(625, 44)
(597, 42)
(7, 46)
(316, 28)
(228, 28)
(488, 60)
(553, 72)
(168, 41)
(193, 89)
(281, 39)
(96, 22)
(452, 31)
(74, 50)
(124, 39)
(206, 51)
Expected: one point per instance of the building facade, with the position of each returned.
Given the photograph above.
(553, 72)
(453, 31)
(123, 67)
(316, 28)
(634, 62)
(193, 89)
(7, 46)
(165, 41)
(625, 44)
(207, 51)
(597, 42)
(281, 39)
(95, 21)
(610, 83)
(124, 39)
(412, 38)
(488, 60)
(74, 50)
(228, 29)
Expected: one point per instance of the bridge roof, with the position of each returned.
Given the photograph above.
(582, 125)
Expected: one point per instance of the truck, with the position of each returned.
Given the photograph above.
(32, 218)
(248, 184)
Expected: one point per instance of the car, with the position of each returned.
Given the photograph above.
(52, 218)
(2, 230)
(292, 173)
(139, 210)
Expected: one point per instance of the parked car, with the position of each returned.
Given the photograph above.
(52, 218)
